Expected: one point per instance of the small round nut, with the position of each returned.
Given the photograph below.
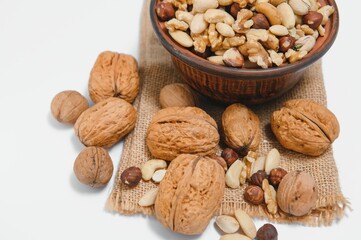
(67, 106)
(312, 19)
(230, 156)
(93, 167)
(260, 21)
(234, 9)
(276, 175)
(267, 232)
(177, 95)
(286, 43)
(165, 11)
(254, 195)
(258, 177)
(131, 176)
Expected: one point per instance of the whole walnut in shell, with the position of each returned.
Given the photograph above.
(190, 194)
(105, 123)
(93, 167)
(177, 95)
(114, 75)
(305, 126)
(177, 130)
(241, 128)
(297, 193)
(67, 106)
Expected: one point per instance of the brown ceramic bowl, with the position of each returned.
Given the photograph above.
(249, 86)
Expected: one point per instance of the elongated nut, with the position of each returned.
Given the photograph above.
(246, 223)
(233, 174)
(158, 175)
(305, 43)
(227, 224)
(232, 57)
(300, 7)
(234, 236)
(279, 30)
(297, 56)
(148, 198)
(182, 38)
(151, 166)
(259, 164)
(184, 16)
(287, 15)
(214, 15)
(200, 6)
(225, 30)
(276, 2)
(273, 160)
(225, 2)
(326, 12)
(198, 24)
(216, 60)
(270, 12)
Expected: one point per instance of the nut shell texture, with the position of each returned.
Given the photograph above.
(67, 106)
(305, 126)
(241, 128)
(190, 194)
(177, 130)
(105, 123)
(114, 75)
(93, 167)
(297, 193)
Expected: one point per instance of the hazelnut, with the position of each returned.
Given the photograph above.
(260, 22)
(220, 161)
(93, 167)
(257, 178)
(131, 176)
(165, 11)
(267, 232)
(254, 195)
(276, 175)
(67, 106)
(312, 19)
(235, 8)
(286, 43)
(230, 156)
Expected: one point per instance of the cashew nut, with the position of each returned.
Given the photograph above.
(273, 160)
(148, 199)
(200, 6)
(214, 15)
(234, 173)
(159, 175)
(150, 167)
(270, 12)
(300, 7)
(184, 16)
(326, 12)
(259, 164)
(287, 15)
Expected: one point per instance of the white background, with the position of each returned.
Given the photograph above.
(49, 46)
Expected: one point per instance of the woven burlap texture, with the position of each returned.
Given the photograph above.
(156, 71)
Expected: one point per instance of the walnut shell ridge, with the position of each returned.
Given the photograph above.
(177, 130)
(105, 123)
(114, 75)
(190, 194)
(305, 126)
(241, 128)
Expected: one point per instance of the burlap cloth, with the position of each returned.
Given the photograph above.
(156, 71)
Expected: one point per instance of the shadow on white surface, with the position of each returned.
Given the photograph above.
(82, 188)
(57, 125)
(164, 233)
(78, 146)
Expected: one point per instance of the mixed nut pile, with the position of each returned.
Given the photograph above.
(246, 33)
(189, 174)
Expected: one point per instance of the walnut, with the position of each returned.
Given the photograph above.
(270, 197)
(177, 130)
(190, 194)
(201, 41)
(175, 24)
(214, 37)
(256, 53)
(93, 167)
(235, 41)
(305, 126)
(105, 123)
(180, 4)
(242, 24)
(114, 75)
(297, 193)
(177, 95)
(241, 128)
(67, 106)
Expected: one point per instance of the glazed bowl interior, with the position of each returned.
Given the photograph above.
(186, 56)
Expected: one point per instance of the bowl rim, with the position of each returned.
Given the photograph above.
(192, 59)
